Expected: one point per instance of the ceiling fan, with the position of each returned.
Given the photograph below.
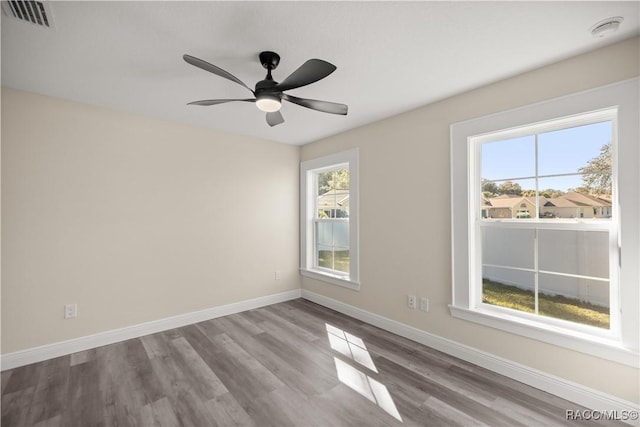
(268, 94)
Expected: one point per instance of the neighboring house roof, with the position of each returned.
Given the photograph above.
(560, 202)
(586, 199)
(511, 202)
(334, 199)
(570, 200)
(573, 200)
(541, 200)
(497, 202)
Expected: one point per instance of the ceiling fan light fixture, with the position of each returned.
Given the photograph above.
(268, 103)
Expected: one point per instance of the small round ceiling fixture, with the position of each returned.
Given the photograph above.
(606, 27)
(267, 102)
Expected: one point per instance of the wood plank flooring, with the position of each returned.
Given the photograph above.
(289, 364)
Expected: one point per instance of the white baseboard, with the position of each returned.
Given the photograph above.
(574, 392)
(49, 351)
(561, 387)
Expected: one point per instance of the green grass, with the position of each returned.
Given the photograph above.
(555, 306)
(337, 260)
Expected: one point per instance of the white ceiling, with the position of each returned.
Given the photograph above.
(391, 56)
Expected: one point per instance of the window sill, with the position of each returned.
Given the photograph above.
(601, 347)
(330, 278)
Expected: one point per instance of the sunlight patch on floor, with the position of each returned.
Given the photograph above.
(354, 348)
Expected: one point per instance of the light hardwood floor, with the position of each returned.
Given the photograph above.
(294, 363)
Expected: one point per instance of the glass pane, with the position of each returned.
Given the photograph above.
(508, 199)
(325, 256)
(562, 201)
(341, 233)
(341, 259)
(570, 150)
(332, 243)
(508, 247)
(508, 158)
(341, 177)
(508, 288)
(333, 194)
(585, 253)
(557, 186)
(324, 233)
(577, 300)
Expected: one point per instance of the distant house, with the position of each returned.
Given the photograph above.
(579, 205)
(570, 205)
(506, 206)
(334, 204)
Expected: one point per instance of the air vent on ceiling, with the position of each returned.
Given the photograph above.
(35, 12)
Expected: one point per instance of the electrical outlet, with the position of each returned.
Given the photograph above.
(411, 301)
(70, 311)
(276, 275)
(424, 304)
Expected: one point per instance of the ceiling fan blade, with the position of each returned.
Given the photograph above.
(207, 102)
(213, 69)
(275, 118)
(309, 72)
(314, 104)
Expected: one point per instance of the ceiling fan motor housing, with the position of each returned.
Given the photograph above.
(266, 85)
(266, 88)
(269, 60)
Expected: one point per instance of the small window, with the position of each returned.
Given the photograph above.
(329, 232)
(331, 223)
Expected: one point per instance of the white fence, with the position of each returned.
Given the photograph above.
(574, 264)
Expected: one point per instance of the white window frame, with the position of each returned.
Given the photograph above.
(621, 342)
(308, 198)
(476, 223)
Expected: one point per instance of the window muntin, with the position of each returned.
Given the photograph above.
(545, 228)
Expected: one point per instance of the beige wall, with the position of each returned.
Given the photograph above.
(137, 219)
(408, 156)
(134, 219)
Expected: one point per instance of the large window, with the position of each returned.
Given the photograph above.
(545, 221)
(329, 231)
